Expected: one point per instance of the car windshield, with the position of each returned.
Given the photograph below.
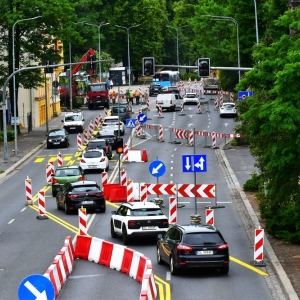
(190, 96)
(67, 172)
(229, 106)
(147, 212)
(92, 154)
(97, 88)
(201, 238)
(85, 189)
(122, 109)
(72, 118)
(96, 144)
(111, 121)
(57, 132)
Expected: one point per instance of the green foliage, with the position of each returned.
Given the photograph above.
(10, 135)
(252, 184)
(192, 76)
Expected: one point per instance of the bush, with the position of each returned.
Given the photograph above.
(252, 184)
(10, 135)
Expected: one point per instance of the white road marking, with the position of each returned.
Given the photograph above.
(11, 221)
(168, 276)
(23, 209)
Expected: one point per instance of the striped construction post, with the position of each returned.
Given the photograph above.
(91, 128)
(160, 115)
(161, 134)
(209, 213)
(125, 154)
(138, 128)
(231, 97)
(148, 104)
(42, 205)
(28, 191)
(214, 140)
(191, 137)
(199, 108)
(49, 171)
(85, 137)
(123, 178)
(172, 210)
(82, 221)
(104, 178)
(143, 193)
(96, 122)
(79, 141)
(259, 245)
(182, 113)
(216, 106)
(221, 100)
(59, 159)
(130, 197)
(105, 111)
(100, 119)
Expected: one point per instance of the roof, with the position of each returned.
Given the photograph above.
(196, 228)
(111, 118)
(67, 167)
(84, 182)
(138, 205)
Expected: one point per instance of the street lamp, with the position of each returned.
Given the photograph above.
(99, 46)
(220, 18)
(177, 28)
(128, 28)
(256, 23)
(14, 80)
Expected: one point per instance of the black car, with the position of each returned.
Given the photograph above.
(193, 246)
(86, 194)
(57, 138)
(154, 89)
(170, 89)
(108, 135)
(122, 111)
(101, 144)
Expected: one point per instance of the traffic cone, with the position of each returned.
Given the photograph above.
(144, 156)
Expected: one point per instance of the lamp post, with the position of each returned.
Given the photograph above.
(220, 18)
(128, 28)
(177, 28)
(256, 22)
(14, 80)
(99, 45)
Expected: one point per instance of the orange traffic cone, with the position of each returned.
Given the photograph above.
(144, 156)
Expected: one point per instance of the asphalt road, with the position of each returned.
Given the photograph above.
(28, 245)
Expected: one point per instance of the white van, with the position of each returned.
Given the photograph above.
(169, 101)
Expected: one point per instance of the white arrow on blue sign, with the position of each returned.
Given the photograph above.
(36, 287)
(142, 118)
(157, 168)
(194, 163)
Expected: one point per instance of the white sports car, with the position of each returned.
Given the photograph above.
(228, 109)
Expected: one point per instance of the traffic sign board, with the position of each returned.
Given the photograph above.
(36, 287)
(157, 168)
(194, 163)
(130, 123)
(243, 94)
(142, 118)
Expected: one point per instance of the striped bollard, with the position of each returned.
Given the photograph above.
(221, 100)
(42, 205)
(160, 115)
(259, 245)
(199, 108)
(79, 141)
(138, 128)
(96, 122)
(82, 221)
(181, 110)
(91, 129)
(104, 179)
(209, 213)
(85, 137)
(59, 159)
(191, 137)
(148, 104)
(216, 106)
(100, 119)
(172, 210)
(125, 154)
(28, 191)
(105, 111)
(49, 172)
(143, 191)
(161, 134)
(123, 178)
(231, 97)
(130, 191)
(214, 140)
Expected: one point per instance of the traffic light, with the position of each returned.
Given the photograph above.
(48, 69)
(91, 62)
(203, 67)
(119, 146)
(148, 66)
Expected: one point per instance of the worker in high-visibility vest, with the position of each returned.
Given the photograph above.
(131, 96)
(137, 97)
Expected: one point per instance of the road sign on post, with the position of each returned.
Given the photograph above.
(142, 118)
(194, 163)
(157, 168)
(243, 94)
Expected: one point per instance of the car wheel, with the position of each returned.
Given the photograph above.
(224, 270)
(174, 108)
(122, 132)
(173, 269)
(54, 193)
(124, 236)
(57, 205)
(48, 146)
(67, 212)
(158, 257)
(90, 107)
(112, 231)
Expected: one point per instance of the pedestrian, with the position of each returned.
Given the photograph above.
(137, 97)
(131, 96)
(127, 96)
(111, 84)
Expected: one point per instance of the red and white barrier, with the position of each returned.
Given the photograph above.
(59, 159)
(85, 137)
(49, 171)
(100, 119)
(138, 128)
(149, 290)
(172, 210)
(123, 178)
(143, 191)
(216, 103)
(105, 111)
(231, 97)
(259, 245)
(214, 140)
(42, 205)
(221, 100)
(161, 134)
(181, 110)
(199, 108)
(209, 214)
(82, 221)
(125, 154)
(191, 137)
(104, 178)
(148, 104)
(96, 122)
(91, 128)
(160, 114)
(28, 191)
(79, 141)
(130, 196)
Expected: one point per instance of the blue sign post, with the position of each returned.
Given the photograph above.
(194, 163)
(243, 94)
(36, 287)
(142, 118)
(157, 168)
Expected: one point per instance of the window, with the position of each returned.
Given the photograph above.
(85, 189)
(97, 88)
(92, 154)
(147, 212)
(198, 238)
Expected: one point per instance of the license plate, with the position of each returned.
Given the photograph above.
(160, 103)
(56, 143)
(98, 101)
(149, 228)
(87, 202)
(72, 127)
(208, 252)
(91, 166)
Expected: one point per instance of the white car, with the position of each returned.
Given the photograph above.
(94, 159)
(190, 98)
(138, 219)
(228, 109)
(113, 123)
(73, 121)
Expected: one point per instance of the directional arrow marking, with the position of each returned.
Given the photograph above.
(187, 163)
(155, 170)
(200, 163)
(35, 292)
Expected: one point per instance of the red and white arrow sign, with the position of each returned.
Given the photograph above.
(202, 190)
(160, 189)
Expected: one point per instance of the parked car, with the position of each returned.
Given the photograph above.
(65, 174)
(228, 109)
(94, 159)
(57, 138)
(193, 246)
(154, 89)
(190, 98)
(86, 194)
(136, 220)
(73, 121)
(100, 144)
(108, 135)
(114, 123)
(121, 111)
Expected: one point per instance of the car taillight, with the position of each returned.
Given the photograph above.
(165, 222)
(71, 196)
(223, 247)
(102, 159)
(171, 102)
(54, 180)
(131, 223)
(184, 247)
(81, 179)
(106, 149)
(82, 160)
(97, 194)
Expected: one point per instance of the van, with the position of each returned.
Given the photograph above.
(169, 101)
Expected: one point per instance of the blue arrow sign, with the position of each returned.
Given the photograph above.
(142, 118)
(130, 123)
(36, 287)
(243, 94)
(194, 163)
(157, 168)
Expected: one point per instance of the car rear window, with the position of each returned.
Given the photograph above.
(96, 144)
(122, 109)
(67, 172)
(198, 238)
(147, 212)
(84, 189)
(92, 154)
(111, 121)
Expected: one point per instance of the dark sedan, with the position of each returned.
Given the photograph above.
(86, 194)
(154, 89)
(193, 246)
(57, 138)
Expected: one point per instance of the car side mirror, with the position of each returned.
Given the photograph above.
(114, 212)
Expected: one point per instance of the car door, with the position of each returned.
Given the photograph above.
(62, 194)
(164, 245)
(119, 218)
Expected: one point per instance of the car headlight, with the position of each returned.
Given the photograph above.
(49, 140)
(62, 139)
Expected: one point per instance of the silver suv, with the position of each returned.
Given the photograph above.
(73, 121)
